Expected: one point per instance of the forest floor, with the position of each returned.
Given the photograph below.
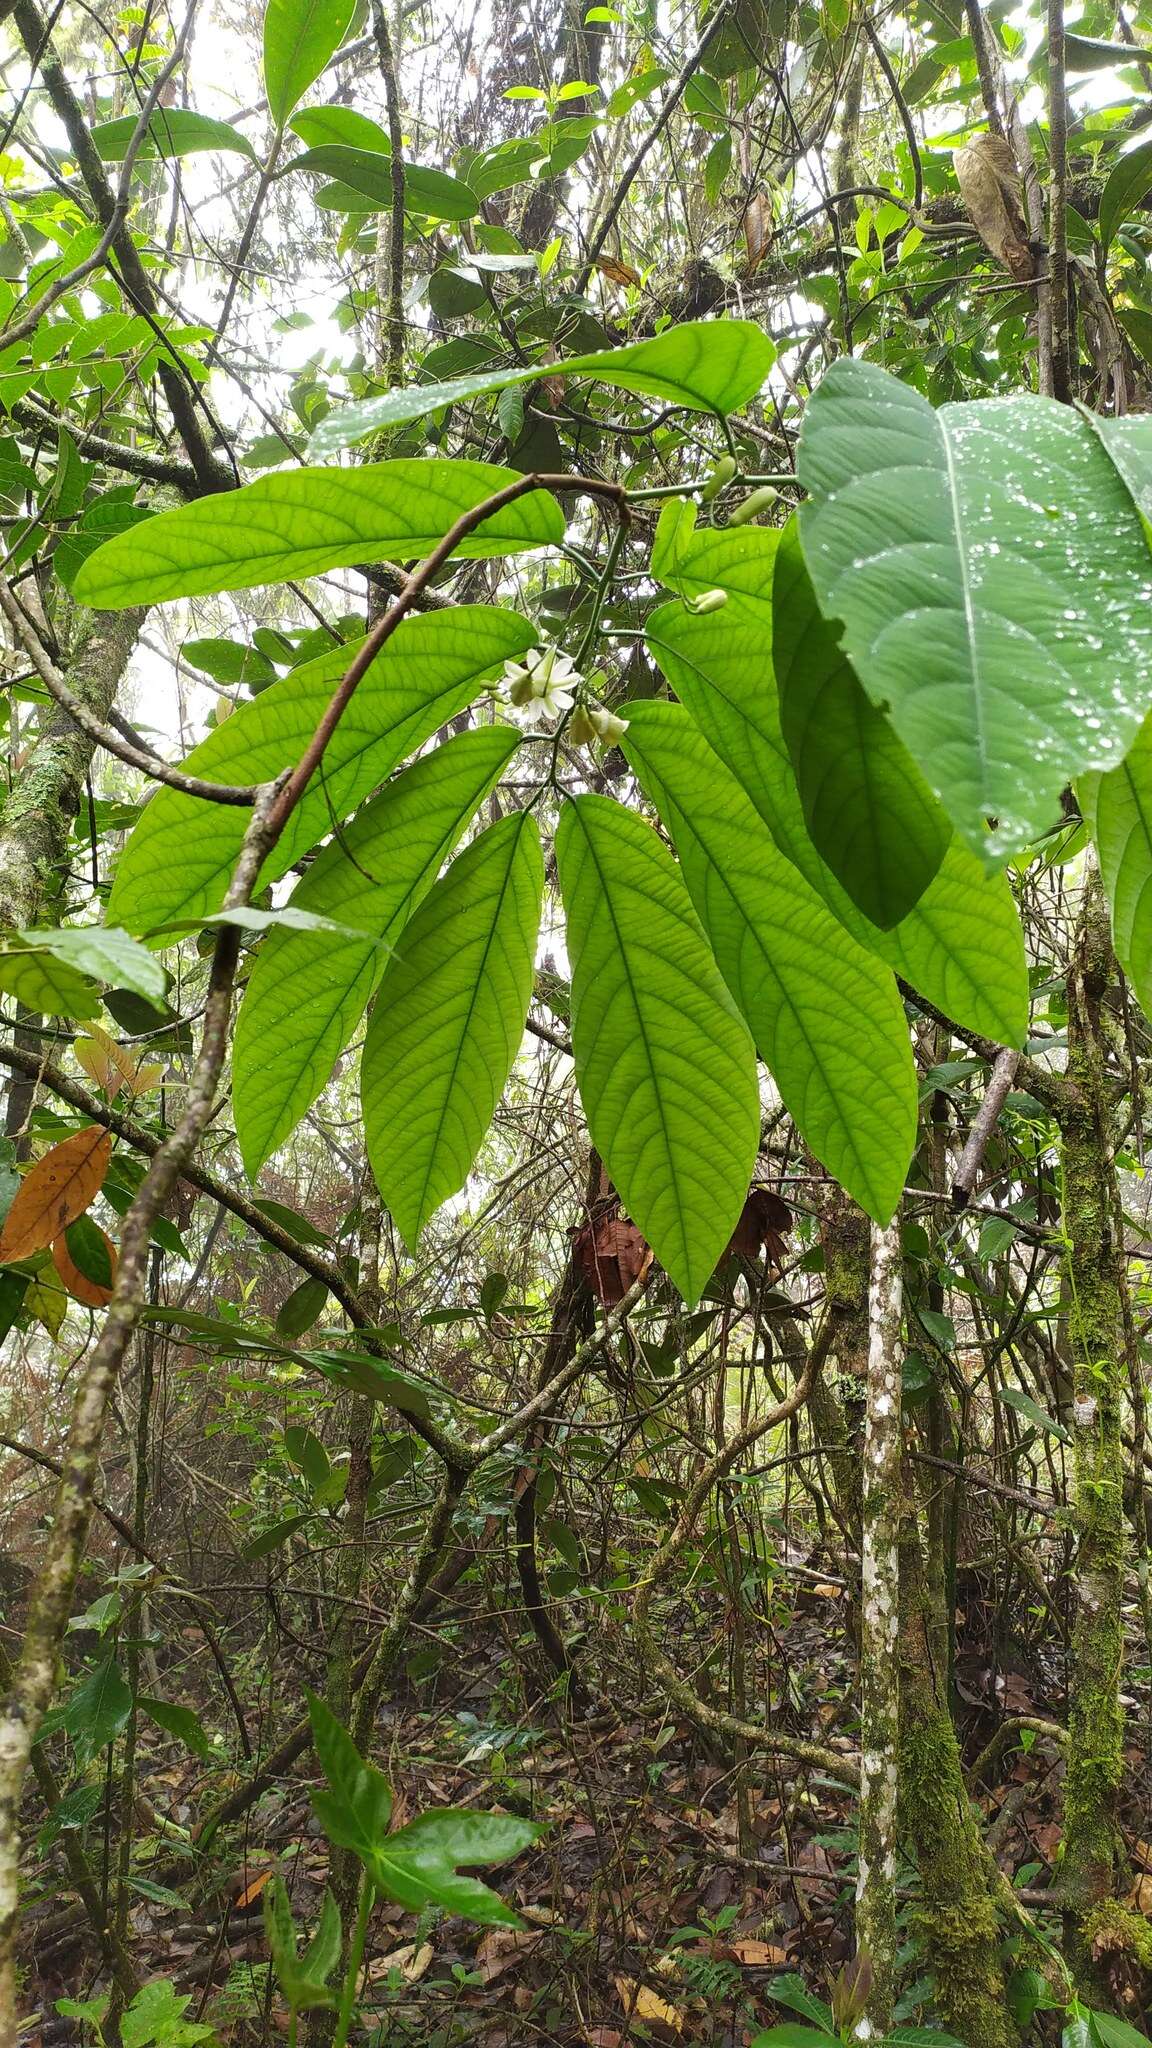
(670, 1886)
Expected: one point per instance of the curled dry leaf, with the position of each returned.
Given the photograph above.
(60, 1187)
(81, 1286)
(612, 1256)
(764, 1223)
(617, 272)
(757, 229)
(989, 181)
(642, 2004)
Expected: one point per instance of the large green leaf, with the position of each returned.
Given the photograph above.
(705, 365)
(178, 859)
(825, 1013)
(299, 38)
(962, 946)
(868, 810)
(448, 1021)
(664, 1061)
(97, 1709)
(368, 174)
(1118, 809)
(300, 522)
(418, 1864)
(992, 577)
(172, 132)
(1128, 183)
(44, 983)
(305, 997)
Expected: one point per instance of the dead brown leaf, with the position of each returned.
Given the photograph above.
(504, 1947)
(60, 1187)
(754, 1954)
(642, 2004)
(990, 186)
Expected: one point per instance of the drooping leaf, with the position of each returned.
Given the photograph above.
(301, 522)
(367, 174)
(172, 132)
(1118, 808)
(664, 1062)
(962, 946)
(992, 577)
(178, 859)
(1015, 1397)
(44, 983)
(362, 1374)
(107, 955)
(181, 1722)
(704, 365)
(448, 1021)
(97, 1709)
(60, 1187)
(825, 1014)
(868, 810)
(85, 1258)
(299, 38)
(304, 1000)
(1129, 182)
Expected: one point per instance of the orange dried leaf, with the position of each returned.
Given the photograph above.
(60, 1187)
(80, 1285)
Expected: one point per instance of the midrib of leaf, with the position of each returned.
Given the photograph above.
(622, 956)
(834, 1093)
(472, 1001)
(980, 736)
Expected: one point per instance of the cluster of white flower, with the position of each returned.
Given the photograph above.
(544, 685)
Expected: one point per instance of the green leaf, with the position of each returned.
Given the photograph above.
(178, 859)
(1109, 2032)
(303, 1307)
(869, 812)
(448, 1021)
(301, 1982)
(705, 365)
(361, 1374)
(665, 1065)
(317, 125)
(962, 946)
(301, 522)
(1118, 809)
(1129, 181)
(155, 2019)
(992, 577)
(1095, 53)
(271, 1539)
(299, 38)
(97, 1709)
(790, 2034)
(825, 1014)
(1015, 1397)
(181, 1722)
(107, 955)
(303, 1002)
(418, 1864)
(308, 1454)
(367, 173)
(172, 132)
(357, 1807)
(43, 983)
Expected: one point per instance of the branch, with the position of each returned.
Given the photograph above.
(100, 734)
(984, 1123)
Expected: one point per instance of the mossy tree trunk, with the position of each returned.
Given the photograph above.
(939, 1828)
(1094, 1284)
(879, 1626)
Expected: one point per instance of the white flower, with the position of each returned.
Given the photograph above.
(545, 681)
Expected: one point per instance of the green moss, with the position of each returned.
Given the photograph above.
(1113, 1929)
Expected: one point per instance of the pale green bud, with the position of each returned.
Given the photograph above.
(753, 506)
(723, 474)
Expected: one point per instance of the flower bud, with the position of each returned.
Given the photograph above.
(581, 729)
(608, 726)
(708, 601)
(753, 506)
(723, 474)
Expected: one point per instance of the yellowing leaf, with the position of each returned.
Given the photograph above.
(60, 1187)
